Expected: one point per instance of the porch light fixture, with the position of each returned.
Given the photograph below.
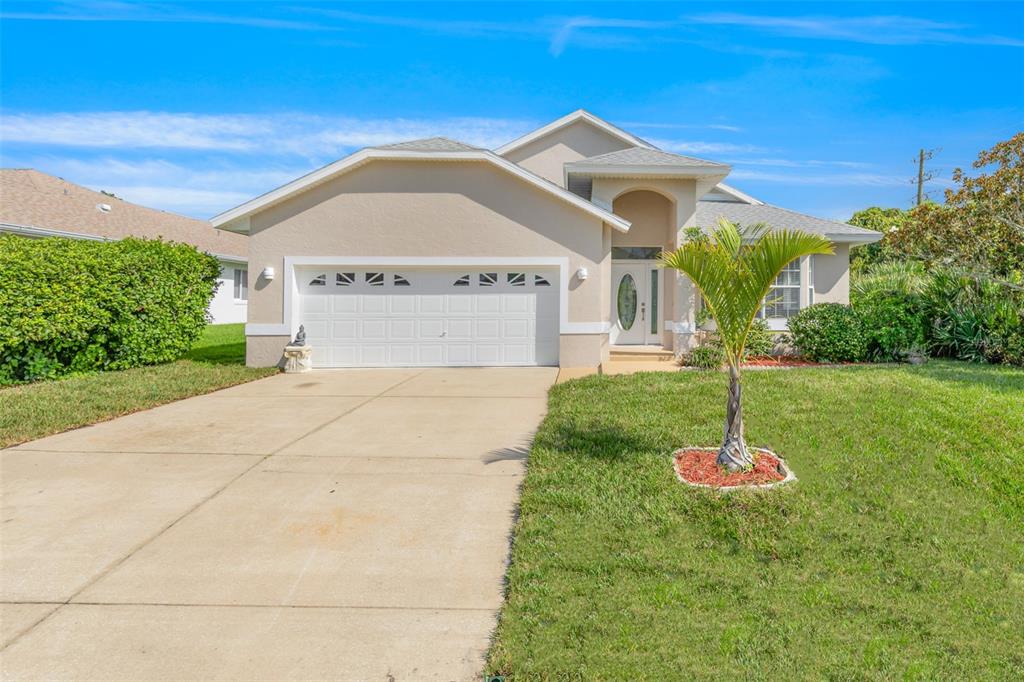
(268, 273)
(582, 274)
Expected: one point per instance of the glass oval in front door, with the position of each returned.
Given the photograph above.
(627, 301)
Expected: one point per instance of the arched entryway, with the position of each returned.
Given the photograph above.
(641, 296)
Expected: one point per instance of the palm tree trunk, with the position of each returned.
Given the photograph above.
(733, 454)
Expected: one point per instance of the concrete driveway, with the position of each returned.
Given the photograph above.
(348, 524)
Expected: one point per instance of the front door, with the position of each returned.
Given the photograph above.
(636, 297)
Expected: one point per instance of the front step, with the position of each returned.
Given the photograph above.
(641, 354)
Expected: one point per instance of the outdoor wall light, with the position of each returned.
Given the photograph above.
(582, 274)
(268, 273)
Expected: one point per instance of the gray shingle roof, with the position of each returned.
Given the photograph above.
(430, 144)
(641, 156)
(708, 213)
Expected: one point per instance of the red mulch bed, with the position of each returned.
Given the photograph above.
(700, 466)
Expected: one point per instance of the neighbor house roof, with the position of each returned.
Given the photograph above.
(709, 212)
(37, 204)
(567, 120)
(437, 149)
(644, 156)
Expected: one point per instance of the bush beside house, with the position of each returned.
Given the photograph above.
(69, 306)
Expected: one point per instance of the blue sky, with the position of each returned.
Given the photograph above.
(196, 107)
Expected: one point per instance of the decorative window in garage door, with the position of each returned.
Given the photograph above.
(345, 279)
(375, 279)
(401, 281)
(319, 280)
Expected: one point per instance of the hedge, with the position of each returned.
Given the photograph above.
(829, 332)
(69, 306)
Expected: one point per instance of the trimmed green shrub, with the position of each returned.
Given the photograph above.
(760, 340)
(708, 356)
(829, 332)
(71, 306)
(894, 323)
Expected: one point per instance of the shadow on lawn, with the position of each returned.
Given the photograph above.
(223, 354)
(607, 443)
(1011, 379)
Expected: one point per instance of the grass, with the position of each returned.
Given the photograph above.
(899, 553)
(35, 410)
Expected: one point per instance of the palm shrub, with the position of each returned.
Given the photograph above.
(889, 298)
(734, 269)
(975, 319)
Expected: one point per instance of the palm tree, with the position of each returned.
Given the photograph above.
(734, 268)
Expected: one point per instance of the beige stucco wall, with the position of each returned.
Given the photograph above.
(580, 350)
(427, 209)
(832, 276)
(547, 155)
(265, 351)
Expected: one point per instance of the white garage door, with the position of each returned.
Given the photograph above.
(407, 317)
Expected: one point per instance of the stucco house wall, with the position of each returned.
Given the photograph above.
(548, 155)
(403, 209)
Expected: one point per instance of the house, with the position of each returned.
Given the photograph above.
(34, 204)
(541, 252)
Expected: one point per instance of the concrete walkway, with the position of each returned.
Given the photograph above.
(344, 525)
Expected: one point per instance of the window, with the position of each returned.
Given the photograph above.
(319, 280)
(540, 281)
(401, 281)
(241, 284)
(462, 281)
(636, 252)
(810, 283)
(375, 279)
(517, 279)
(345, 279)
(488, 279)
(783, 299)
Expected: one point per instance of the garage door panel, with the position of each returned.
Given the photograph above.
(431, 305)
(373, 329)
(431, 329)
(368, 319)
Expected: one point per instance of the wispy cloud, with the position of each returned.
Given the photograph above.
(154, 13)
(822, 179)
(881, 30)
(299, 134)
(680, 126)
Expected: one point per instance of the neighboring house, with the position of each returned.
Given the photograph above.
(542, 252)
(34, 204)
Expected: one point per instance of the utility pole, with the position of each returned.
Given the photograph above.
(922, 176)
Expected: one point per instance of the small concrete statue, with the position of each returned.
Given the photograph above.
(300, 338)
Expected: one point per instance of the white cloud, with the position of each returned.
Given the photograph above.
(880, 30)
(705, 147)
(301, 134)
(823, 179)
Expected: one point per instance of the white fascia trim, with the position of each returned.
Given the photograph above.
(30, 231)
(631, 170)
(843, 238)
(736, 194)
(291, 287)
(228, 219)
(569, 119)
(42, 232)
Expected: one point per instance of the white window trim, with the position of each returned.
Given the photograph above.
(290, 288)
(799, 286)
(244, 285)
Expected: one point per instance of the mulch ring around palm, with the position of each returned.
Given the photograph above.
(699, 467)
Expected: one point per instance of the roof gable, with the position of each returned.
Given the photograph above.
(237, 219)
(579, 115)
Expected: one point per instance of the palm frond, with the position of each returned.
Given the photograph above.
(735, 269)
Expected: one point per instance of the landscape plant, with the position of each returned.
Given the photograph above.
(734, 270)
(829, 332)
(75, 306)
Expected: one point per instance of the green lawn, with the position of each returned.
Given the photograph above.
(899, 554)
(36, 410)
